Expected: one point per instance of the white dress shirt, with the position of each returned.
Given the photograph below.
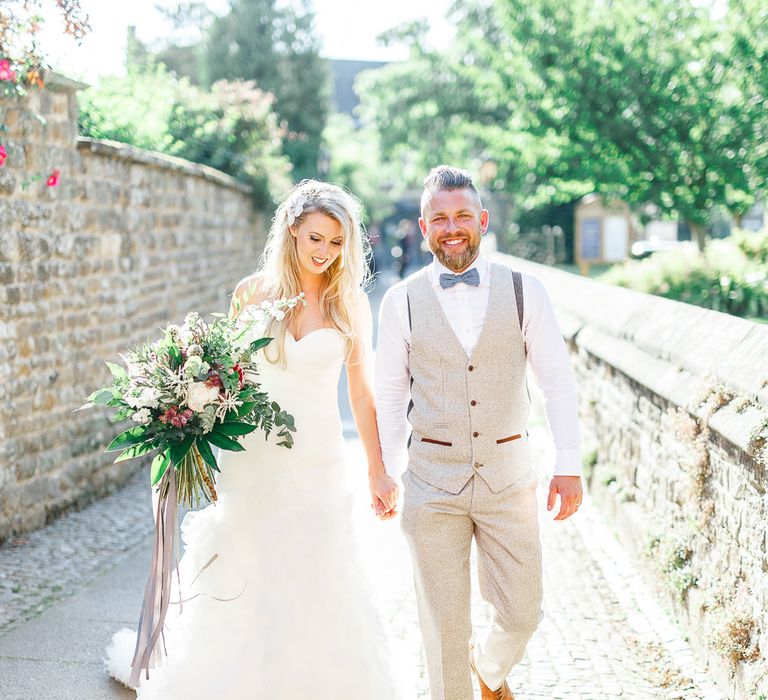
(465, 308)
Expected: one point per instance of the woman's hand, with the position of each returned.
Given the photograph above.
(384, 495)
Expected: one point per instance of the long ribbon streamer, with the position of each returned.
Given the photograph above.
(157, 593)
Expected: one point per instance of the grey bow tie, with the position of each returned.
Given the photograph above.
(470, 277)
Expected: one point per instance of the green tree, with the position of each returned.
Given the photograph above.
(276, 45)
(647, 94)
(183, 50)
(232, 128)
(461, 106)
(653, 101)
(356, 163)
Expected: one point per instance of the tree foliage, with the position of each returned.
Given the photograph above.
(655, 101)
(232, 127)
(271, 43)
(356, 163)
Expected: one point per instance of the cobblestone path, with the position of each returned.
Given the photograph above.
(602, 635)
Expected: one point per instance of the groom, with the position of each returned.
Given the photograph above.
(455, 340)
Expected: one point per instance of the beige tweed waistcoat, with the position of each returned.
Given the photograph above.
(468, 415)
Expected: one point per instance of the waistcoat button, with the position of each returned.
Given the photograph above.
(471, 368)
(473, 403)
(478, 465)
(475, 434)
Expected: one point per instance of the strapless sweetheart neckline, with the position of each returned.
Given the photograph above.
(306, 335)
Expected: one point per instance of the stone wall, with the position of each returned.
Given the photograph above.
(674, 407)
(127, 242)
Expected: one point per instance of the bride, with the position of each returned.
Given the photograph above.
(274, 601)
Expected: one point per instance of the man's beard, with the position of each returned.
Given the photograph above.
(460, 260)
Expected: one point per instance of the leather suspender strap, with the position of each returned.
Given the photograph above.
(408, 301)
(517, 281)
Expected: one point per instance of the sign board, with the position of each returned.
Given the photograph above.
(589, 248)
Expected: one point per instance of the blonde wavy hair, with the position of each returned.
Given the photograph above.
(279, 267)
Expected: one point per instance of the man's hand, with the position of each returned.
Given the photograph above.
(384, 496)
(570, 491)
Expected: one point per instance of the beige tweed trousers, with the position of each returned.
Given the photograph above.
(439, 527)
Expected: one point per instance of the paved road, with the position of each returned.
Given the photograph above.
(64, 590)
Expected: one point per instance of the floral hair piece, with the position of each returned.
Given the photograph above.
(295, 209)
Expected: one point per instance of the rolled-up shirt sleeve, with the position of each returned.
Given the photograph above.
(392, 379)
(551, 365)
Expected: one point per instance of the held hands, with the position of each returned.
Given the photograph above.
(384, 495)
(570, 491)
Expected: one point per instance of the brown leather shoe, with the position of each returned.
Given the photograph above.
(503, 693)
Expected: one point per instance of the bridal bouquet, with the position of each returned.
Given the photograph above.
(195, 389)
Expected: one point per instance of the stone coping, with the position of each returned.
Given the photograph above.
(680, 352)
(122, 151)
(57, 81)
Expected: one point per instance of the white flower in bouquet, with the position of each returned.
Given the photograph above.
(142, 416)
(143, 398)
(200, 395)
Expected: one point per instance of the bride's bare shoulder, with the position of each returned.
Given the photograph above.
(249, 290)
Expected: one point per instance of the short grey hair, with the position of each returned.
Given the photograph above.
(444, 178)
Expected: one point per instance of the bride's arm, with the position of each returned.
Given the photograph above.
(361, 400)
(248, 291)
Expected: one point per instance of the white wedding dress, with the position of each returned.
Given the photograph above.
(301, 624)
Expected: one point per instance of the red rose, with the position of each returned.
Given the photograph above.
(53, 179)
(240, 375)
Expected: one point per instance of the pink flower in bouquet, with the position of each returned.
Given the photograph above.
(3, 155)
(176, 418)
(180, 420)
(5, 70)
(53, 179)
(169, 415)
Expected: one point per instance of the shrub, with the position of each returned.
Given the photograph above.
(231, 128)
(731, 276)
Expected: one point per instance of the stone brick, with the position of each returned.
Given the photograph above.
(85, 273)
(7, 181)
(696, 484)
